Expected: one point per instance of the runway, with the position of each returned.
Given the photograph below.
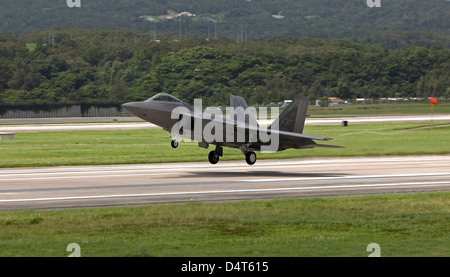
(133, 123)
(93, 186)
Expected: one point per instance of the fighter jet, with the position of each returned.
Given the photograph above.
(238, 129)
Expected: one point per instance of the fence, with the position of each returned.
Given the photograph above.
(59, 110)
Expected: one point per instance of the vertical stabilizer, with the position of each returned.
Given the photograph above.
(292, 119)
(245, 113)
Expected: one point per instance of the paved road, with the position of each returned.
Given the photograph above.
(129, 123)
(90, 186)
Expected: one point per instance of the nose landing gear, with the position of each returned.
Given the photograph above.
(174, 143)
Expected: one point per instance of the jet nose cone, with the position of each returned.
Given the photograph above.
(133, 107)
(127, 105)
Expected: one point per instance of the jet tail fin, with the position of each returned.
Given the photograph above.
(244, 113)
(292, 119)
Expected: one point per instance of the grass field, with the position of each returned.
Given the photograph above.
(150, 146)
(403, 225)
(406, 108)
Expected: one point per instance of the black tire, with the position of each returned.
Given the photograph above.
(174, 143)
(250, 158)
(213, 158)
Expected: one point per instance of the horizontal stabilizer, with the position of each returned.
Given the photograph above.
(328, 146)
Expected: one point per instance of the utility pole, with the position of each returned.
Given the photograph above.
(241, 34)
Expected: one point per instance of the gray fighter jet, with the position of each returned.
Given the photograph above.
(238, 129)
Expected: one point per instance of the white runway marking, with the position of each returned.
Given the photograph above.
(228, 191)
(345, 177)
(80, 176)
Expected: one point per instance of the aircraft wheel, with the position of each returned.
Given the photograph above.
(174, 143)
(213, 157)
(250, 158)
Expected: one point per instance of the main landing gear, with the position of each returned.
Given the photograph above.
(250, 157)
(214, 156)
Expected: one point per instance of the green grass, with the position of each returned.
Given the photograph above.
(152, 146)
(402, 224)
(376, 109)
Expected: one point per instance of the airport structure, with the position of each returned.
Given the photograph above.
(59, 110)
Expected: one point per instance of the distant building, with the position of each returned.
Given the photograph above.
(334, 101)
(278, 16)
(331, 101)
(364, 101)
(286, 103)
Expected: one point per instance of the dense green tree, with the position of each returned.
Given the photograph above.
(128, 65)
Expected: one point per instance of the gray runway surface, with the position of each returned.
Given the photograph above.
(91, 186)
(130, 123)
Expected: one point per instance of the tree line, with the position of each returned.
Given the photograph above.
(72, 65)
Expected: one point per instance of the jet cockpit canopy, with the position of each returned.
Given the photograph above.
(164, 97)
